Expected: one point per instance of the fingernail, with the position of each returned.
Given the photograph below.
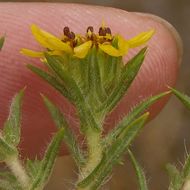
(172, 30)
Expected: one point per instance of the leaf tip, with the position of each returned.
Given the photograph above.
(2, 41)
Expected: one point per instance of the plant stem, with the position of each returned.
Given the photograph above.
(94, 154)
(16, 167)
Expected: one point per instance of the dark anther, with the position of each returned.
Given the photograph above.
(66, 31)
(72, 35)
(90, 28)
(74, 43)
(102, 31)
(108, 30)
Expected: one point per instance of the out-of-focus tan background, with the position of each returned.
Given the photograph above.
(164, 139)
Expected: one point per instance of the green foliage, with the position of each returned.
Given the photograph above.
(36, 173)
(139, 109)
(69, 137)
(6, 150)
(176, 179)
(32, 167)
(10, 136)
(8, 181)
(2, 40)
(112, 155)
(95, 85)
(139, 172)
(11, 130)
(46, 165)
(179, 178)
(51, 80)
(182, 97)
(128, 73)
(76, 93)
(186, 168)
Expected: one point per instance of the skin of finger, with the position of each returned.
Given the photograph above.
(159, 69)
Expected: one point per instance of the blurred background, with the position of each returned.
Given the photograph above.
(167, 137)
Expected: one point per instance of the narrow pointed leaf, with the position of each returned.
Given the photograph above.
(139, 109)
(186, 168)
(129, 73)
(113, 154)
(113, 71)
(32, 167)
(11, 130)
(182, 97)
(6, 150)
(83, 108)
(51, 80)
(48, 161)
(6, 185)
(176, 180)
(2, 40)
(8, 181)
(69, 137)
(94, 76)
(139, 172)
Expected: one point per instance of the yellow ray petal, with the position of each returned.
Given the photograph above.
(110, 50)
(48, 40)
(38, 34)
(140, 39)
(123, 46)
(31, 53)
(82, 50)
(58, 45)
(55, 52)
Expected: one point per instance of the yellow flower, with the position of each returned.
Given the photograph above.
(79, 46)
(49, 41)
(82, 50)
(124, 45)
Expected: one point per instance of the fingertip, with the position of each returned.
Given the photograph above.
(171, 30)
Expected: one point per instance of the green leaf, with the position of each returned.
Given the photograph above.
(8, 181)
(113, 154)
(11, 130)
(113, 70)
(2, 40)
(176, 180)
(48, 161)
(7, 175)
(85, 113)
(32, 167)
(186, 168)
(6, 185)
(51, 80)
(69, 137)
(6, 150)
(139, 109)
(96, 84)
(129, 72)
(182, 97)
(139, 172)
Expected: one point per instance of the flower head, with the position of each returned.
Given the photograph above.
(79, 46)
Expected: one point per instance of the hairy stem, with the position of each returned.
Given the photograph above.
(94, 154)
(16, 167)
